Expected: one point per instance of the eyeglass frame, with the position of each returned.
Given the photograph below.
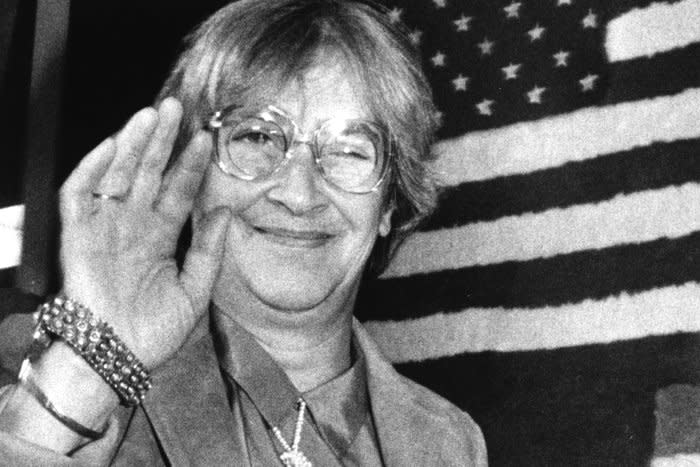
(216, 122)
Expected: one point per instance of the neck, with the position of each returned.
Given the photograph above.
(311, 346)
(311, 359)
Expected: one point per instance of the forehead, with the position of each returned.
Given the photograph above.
(326, 90)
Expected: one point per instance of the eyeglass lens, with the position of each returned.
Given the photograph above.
(349, 152)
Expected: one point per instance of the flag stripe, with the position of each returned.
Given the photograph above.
(676, 460)
(643, 216)
(7, 277)
(582, 135)
(564, 279)
(11, 221)
(621, 7)
(657, 28)
(655, 166)
(587, 405)
(663, 74)
(661, 311)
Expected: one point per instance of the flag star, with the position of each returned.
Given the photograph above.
(438, 59)
(534, 96)
(590, 20)
(563, 2)
(440, 3)
(561, 58)
(462, 23)
(511, 71)
(460, 82)
(415, 36)
(588, 82)
(395, 15)
(512, 10)
(486, 46)
(536, 33)
(484, 107)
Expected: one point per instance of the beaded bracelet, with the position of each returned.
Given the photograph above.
(96, 342)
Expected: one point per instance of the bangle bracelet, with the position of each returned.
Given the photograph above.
(96, 342)
(26, 381)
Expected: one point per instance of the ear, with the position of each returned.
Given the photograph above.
(385, 221)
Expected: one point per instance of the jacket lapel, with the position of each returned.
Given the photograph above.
(400, 421)
(191, 417)
(188, 407)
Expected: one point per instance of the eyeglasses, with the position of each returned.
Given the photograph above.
(254, 143)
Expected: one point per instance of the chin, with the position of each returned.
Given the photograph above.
(296, 297)
(299, 292)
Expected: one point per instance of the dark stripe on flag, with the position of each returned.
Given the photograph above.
(566, 406)
(655, 166)
(7, 277)
(661, 75)
(570, 278)
(618, 7)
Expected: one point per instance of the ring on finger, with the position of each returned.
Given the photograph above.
(108, 197)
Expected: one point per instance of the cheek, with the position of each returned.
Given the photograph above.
(220, 190)
(366, 220)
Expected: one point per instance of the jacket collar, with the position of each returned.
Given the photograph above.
(399, 420)
(192, 419)
(189, 412)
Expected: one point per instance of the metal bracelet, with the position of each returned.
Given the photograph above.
(27, 382)
(96, 342)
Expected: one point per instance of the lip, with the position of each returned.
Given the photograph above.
(301, 238)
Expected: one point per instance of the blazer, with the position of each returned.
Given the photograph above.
(185, 419)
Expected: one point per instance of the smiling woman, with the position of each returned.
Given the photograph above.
(295, 134)
(297, 241)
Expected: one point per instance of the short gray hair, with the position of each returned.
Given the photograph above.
(253, 48)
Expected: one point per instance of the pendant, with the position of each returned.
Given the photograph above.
(295, 459)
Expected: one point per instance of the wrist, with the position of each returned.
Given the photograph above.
(74, 391)
(95, 341)
(70, 382)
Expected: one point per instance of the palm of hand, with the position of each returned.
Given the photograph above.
(117, 254)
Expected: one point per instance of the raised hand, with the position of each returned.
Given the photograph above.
(117, 250)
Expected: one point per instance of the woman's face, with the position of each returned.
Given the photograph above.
(295, 241)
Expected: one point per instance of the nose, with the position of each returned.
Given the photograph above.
(297, 183)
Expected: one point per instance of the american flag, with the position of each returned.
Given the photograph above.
(555, 294)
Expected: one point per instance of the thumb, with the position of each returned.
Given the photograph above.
(203, 259)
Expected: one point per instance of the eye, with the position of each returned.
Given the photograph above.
(254, 132)
(346, 152)
(351, 147)
(254, 135)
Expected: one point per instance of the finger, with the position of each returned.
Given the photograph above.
(131, 141)
(76, 192)
(203, 259)
(182, 182)
(157, 153)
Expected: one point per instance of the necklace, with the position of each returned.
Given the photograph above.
(292, 456)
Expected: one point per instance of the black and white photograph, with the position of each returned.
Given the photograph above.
(317, 233)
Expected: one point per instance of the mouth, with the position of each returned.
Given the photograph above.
(294, 237)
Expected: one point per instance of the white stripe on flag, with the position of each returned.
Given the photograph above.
(638, 217)
(676, 460)
(11, 221)
(657, 28)
(654, 312)
(551, 142)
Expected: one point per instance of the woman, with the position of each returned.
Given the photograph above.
(294, 134)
